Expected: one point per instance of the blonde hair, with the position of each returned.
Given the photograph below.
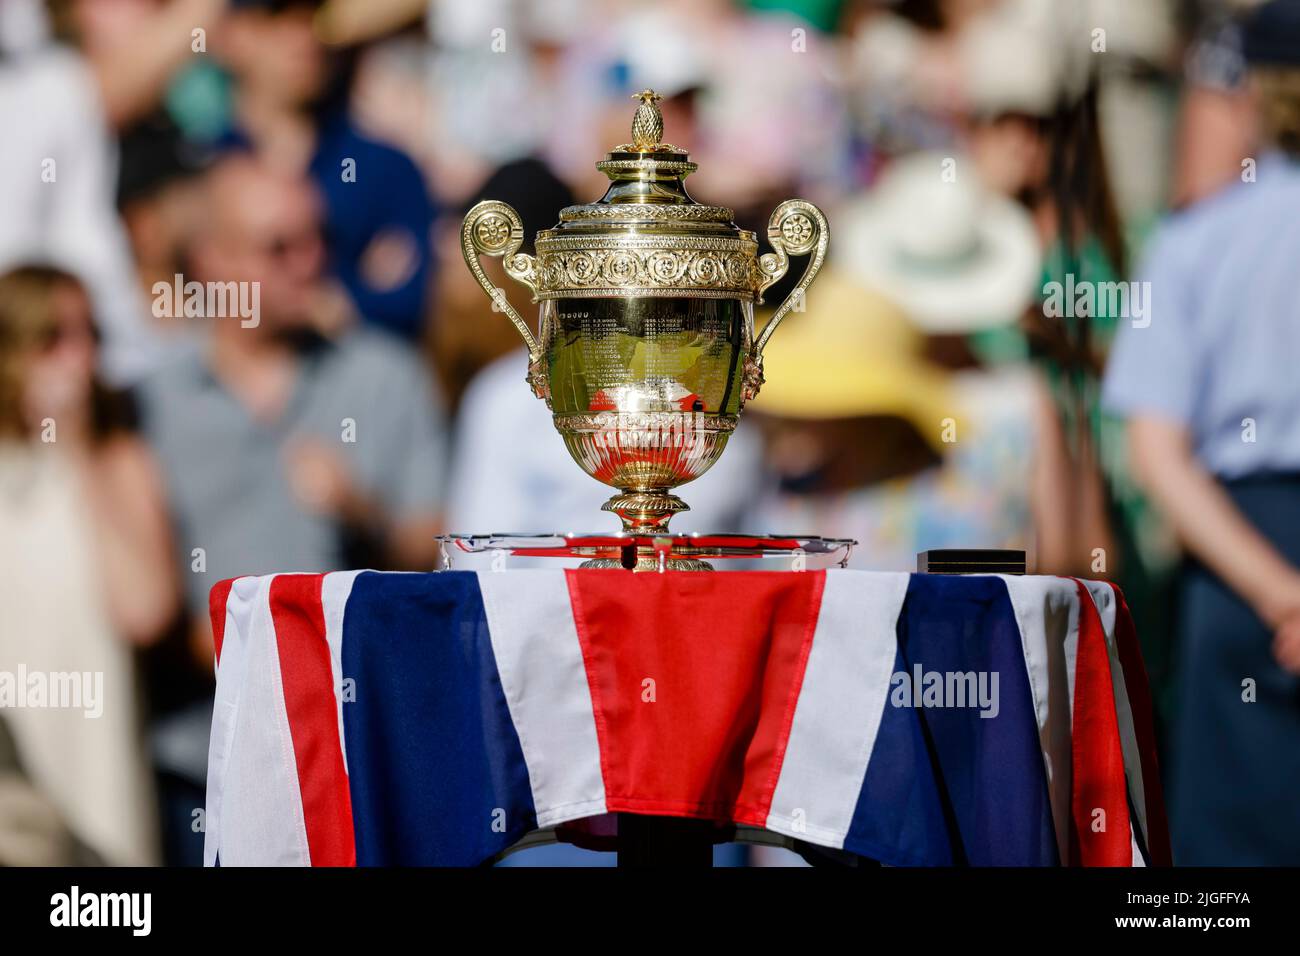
(28, 323)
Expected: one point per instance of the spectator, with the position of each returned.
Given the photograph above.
(290, 442)
(1216, 115)
(291, 107)
(885, 424)
(133, 47)
(32, 832)
(851, 413)
(84, 567)
(1039, 114)
(57, 181)
(854, 415)
(1209, 388)
(159, 197)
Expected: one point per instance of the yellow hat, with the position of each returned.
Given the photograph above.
(852, 354)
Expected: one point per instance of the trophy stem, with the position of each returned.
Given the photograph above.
(648, 513)
(645, 512)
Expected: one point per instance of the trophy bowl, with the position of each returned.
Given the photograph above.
(645, 349)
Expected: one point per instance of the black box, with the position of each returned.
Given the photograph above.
(971, 561)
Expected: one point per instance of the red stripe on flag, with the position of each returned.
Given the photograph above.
(726, 676)
(1096, 754)
(309, 700)
(1139, 695)
(217, 598)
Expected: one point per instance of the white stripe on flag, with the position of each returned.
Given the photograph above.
(841, 703)
(225, 706)
(258, 783)
(539, 658)
(1104, 599)
(335, 590)
(1047, 613)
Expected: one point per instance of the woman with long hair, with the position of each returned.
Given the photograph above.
(85, 570)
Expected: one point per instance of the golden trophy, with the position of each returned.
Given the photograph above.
(645, 349)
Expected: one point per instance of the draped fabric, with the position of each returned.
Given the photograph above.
(378, 718)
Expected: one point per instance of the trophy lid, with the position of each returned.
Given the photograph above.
(646, 236)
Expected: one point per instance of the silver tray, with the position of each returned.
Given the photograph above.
(669, 552)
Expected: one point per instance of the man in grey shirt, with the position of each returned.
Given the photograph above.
(291, 438)
(290, 444)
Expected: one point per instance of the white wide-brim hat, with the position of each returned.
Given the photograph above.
(955, 256)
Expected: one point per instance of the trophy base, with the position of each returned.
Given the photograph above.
(645, 512)
(643, 552)
(649, 562)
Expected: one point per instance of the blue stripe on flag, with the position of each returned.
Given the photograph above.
(981, 797)
(899, 817)
(428, 726)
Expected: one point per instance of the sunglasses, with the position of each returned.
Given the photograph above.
(56, 334)
(281, 246)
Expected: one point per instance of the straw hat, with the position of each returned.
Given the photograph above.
(954, 255)
(851, 354)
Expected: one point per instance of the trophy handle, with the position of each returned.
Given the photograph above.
(795, 229)
(493, 228)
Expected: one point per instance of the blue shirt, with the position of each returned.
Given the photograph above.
(1221, 352)
(388, 196)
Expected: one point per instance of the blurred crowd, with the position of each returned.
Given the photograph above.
(237, 337)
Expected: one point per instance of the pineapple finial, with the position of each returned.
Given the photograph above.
(648, 123)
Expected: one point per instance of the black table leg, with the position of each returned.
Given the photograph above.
(664, 841)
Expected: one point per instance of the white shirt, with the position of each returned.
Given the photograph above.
(51, 112)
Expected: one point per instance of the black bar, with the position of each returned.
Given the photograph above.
(664, 841)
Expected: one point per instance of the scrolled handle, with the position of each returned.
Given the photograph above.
(494, 229)
(796, 228)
